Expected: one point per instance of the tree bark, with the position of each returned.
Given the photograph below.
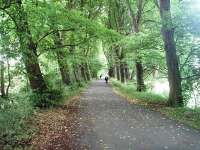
(118, 71)
(175, 94)
(3, 94)
(9, 78)
(29, 51)
(61, 58)
(83, 72)
(122, 72)
(88, 73)
(127, 73)
(132, 75)
(64, 68)
(111, 71)
(136, 21)
(76, 73)
(139, 77)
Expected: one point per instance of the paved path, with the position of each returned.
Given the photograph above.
(107, 121)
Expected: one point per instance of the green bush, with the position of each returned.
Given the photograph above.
(14, 114)
(48, 98)
(55, 97)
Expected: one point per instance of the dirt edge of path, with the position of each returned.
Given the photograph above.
(57, 126)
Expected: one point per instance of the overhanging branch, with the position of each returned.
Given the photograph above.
(54, 31)
(70, 45)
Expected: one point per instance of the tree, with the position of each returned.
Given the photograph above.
(175, 94)
(28, 49)
(117, 21)
(136, 22)
(61, 58)
(3, 94)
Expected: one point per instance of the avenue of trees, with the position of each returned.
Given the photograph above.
(60, 40)
(51, 47)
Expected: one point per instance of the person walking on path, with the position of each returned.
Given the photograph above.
(101, 76)
(106, 79)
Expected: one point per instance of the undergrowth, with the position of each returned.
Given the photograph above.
(16, 112)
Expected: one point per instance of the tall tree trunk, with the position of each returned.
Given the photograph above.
(88, 73)
(83, 72)
(132, 74)
(139, 77)
(136, 21)
(122, 72)
(127, 73)
(76, 73)
(3, 94)
(9, 78)
(175, 94)
(118, 71)
(64, 68)
(75, 67)
(61, 58)
(111, 71)
(114, 71)
(29, 51)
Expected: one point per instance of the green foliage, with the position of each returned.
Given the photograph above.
(56, 97)
(78, 31)
(130, 91)
(187, 35)
(14, 115)
(47, 98)
(96, 65)
(147, 46)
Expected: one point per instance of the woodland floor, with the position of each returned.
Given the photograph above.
(100, 119)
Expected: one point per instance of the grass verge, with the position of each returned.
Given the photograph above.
(139, 97)
(184, 115)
